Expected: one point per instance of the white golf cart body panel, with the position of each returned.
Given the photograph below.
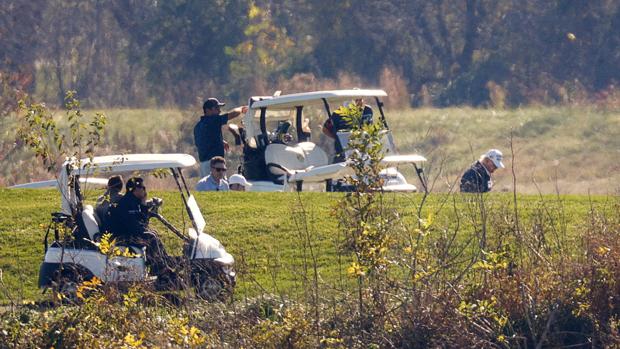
(267, 186)
(323, 173)
(304, 161)
(114, 268)
(297, 160)
(210, 248)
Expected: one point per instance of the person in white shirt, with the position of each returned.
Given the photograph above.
(216, 181)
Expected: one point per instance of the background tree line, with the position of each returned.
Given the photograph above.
(136, 53)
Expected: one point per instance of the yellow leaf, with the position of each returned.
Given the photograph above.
(254, 11)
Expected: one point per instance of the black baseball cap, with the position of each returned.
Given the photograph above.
(115, 182)
(133, 183)
(211, 103)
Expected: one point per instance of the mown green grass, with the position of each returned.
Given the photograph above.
(265, 231)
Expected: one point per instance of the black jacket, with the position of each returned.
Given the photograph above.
(128, 217)
(476, 179)
(102, 210)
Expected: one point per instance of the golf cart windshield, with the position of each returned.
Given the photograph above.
(196, 214)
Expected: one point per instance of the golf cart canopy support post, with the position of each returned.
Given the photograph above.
(326, 104)
(183, 197)
(263, 141)
(380, 106)
(299, 121)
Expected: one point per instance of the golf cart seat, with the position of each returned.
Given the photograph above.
(283, 159)
(90, 222)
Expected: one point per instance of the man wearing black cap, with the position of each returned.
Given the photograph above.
(208, 132)
(129, 220)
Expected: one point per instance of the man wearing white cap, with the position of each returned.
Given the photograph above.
(237, 182)
(477, 179)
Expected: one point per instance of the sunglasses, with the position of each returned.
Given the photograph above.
(219, 169)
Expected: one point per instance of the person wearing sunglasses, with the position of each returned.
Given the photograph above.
(216, 181)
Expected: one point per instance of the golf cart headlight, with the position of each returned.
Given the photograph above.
(229, 270)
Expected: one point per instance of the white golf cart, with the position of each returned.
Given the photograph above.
(74, 257)
(279, 161)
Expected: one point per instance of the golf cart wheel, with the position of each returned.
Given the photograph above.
(211, 288)
(66, 292)
(65, 285)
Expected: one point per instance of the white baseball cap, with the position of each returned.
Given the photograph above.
(496, 156)
(239, 179)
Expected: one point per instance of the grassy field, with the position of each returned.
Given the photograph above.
(265, 231)
(570, 150)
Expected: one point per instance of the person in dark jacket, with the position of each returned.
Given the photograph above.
(208, 132)
(129, 220)
(477, 179)
(111, 196)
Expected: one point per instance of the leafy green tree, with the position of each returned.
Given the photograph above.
(83, 48)
(365, 219)
(182, 43)
(50, 141)
(266, 54)
(176, 52)
(19, 25)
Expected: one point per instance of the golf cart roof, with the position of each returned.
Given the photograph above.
(54, 183)
(287, 102)
(132, 162)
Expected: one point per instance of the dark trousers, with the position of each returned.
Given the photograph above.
(156, 256)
